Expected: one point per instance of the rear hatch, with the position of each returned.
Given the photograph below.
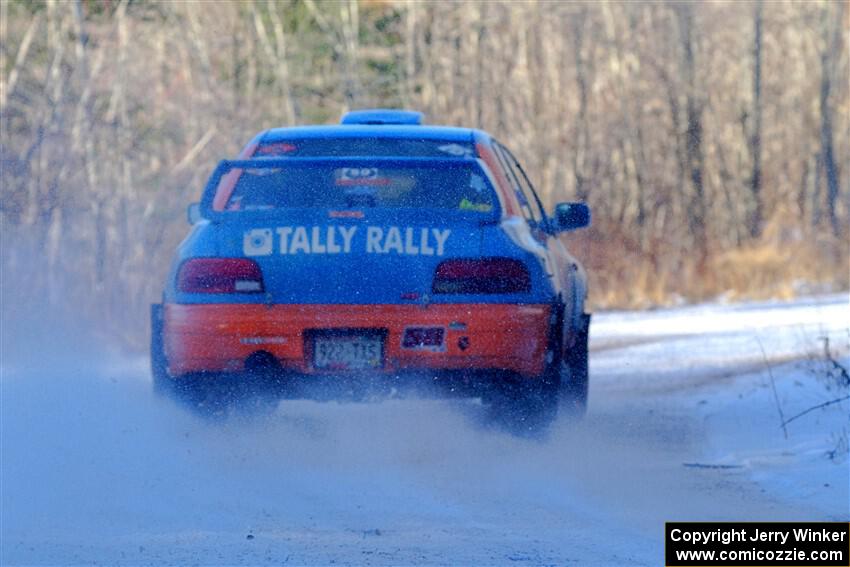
(350, 230)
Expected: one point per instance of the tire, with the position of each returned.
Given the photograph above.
(575, 386)
(524, 405)
(162, 382)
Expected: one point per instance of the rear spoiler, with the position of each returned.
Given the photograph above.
(381, 116)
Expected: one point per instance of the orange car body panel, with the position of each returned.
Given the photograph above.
(219, 337)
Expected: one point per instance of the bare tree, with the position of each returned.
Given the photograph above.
(831, 22)
(694, 159)
(756, 218)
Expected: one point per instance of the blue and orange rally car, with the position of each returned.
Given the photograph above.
(378, 246)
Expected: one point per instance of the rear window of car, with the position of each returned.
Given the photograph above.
(461, 186)
(378, 147)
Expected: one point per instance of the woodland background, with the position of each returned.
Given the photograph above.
(711, 139)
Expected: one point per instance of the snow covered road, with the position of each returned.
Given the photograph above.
(683, 425)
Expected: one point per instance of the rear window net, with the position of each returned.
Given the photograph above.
(341, 184)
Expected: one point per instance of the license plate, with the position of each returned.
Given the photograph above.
(348, 352)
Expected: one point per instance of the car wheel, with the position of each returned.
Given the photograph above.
(524, 405)
(575, 383)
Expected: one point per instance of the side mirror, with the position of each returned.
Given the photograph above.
(570, 216)
(193, 213)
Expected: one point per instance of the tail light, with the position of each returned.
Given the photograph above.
(220, 275)
(484, 275)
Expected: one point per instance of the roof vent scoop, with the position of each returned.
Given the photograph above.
(383, 116)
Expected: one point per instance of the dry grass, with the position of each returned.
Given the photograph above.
(784, 263)
(765, 271)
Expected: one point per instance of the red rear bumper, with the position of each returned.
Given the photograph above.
(215, 338)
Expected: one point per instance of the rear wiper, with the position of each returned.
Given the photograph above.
(360, 196)
(359, 201)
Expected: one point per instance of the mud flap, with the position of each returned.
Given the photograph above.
(575, 388)
(159, 364)
(555, 348)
